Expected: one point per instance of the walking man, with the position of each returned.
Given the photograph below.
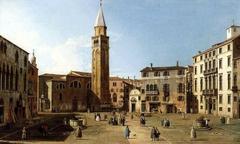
(127, 132)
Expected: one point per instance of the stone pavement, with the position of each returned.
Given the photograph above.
(141, 134)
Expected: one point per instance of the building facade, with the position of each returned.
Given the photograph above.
(65, 93)
(163, 89)
(214, 75)
(119, 90)
(32, 86)
(100, 65)
(13, 82)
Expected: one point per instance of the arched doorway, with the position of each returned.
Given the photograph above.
(133, 104)
(1, 110)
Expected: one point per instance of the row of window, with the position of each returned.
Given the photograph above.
(220, 99)
(212, 65)
(166, 87)
(120, 90)
(219, 109)
(165, 73)
(74, 84)
(210, 82)
(156, 98)
(115, 84)
(212, 53)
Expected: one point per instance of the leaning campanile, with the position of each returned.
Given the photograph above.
(100, 64)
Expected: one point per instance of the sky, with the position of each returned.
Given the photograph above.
(141, 31)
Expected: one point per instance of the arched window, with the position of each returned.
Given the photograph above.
(151, 87)
(165, 73)
(155, 87)
(89, 85)
(25, 61)
(114, 97)
(16, 57)
(147, 88)
(75, 84)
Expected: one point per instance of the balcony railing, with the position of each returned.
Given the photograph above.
(152, 92)
(235, 89)
(210, 71)
(210, 92)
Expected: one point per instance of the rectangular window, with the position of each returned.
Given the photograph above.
(201, 99)
(195, 71)
(229, 47)
(201, 107)
(201, 57)
(229, 99)
(114, 84)
(229, 61)
(214, 63)
(235, 99)
(214, 53)
(220, 99)
(220, 108)
(220, 82)
(220, 63)
(229, 109)
(220, 50)
(229, 80)
(201, 84)
(201, 68)
(195, 86)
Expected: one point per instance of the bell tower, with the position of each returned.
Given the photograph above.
(100, 63)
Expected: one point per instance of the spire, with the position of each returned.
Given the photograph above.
(100, 18)
(33, 60)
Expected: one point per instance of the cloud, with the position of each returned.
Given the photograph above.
(73, 54)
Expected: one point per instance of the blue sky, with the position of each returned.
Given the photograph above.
(141, 31)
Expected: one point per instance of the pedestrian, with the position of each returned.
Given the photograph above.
(193, 133)
(45, 129)
(97, 118)
(78, 132)
(131, 116)
(123, 121)
(153, 132)
(157, 134)
(24, 133)
(127, 132)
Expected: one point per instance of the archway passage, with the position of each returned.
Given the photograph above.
(1, 110)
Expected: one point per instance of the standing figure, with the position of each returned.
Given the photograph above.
(153, 132)
(157, 134)
(24, 133)
(193, 133)
(131, 116)
(127, 132)
(97, 118)
(123, 121)
(79, 132)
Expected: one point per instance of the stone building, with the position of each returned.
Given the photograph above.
(100, 65)
(192, 103)
(215, 75)
(32, 86)
(13, 82)
(163, 89)
(64, 93)
(119, 90)
(135, 103)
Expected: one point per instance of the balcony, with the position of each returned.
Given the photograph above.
(235, 89)
(210, 71)
(210, 92)
(152, 92)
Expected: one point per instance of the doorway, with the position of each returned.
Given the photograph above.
(74, 104)
(133, 107)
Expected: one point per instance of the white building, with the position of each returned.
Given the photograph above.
(215, 76)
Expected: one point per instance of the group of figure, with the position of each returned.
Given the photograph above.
(155, 134)
(43, 129)
(122, 120)
(165, 123)
(113, 120)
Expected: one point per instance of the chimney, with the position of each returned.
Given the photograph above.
(151, 65)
